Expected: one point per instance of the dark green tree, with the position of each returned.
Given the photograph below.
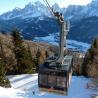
(33, 60)
(47, 54)
(23, 56)
(3, 81)
(37, 60)
(2, 71)
(90, 64)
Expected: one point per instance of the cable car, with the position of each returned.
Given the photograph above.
(55, 74)
(55, 78)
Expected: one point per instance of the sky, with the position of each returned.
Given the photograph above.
(8, 5)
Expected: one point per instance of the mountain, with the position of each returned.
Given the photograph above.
(29, 11)
(78, 12)
(73, 12)
(31, 27)
(84, 30)
(56, 7)
(35, 20)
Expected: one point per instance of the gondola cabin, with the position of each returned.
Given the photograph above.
(55, 78)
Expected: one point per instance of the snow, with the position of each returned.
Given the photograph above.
(79, 45)
(41, 18)
(52, 39)
(31, 10)
(24, 85)
(39, 9)
(49, 39)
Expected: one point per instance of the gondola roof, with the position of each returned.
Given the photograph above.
(65, 66)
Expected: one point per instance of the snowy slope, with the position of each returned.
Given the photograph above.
(53, 39)
(24, 85)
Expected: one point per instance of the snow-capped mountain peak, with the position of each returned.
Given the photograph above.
(30, 10)
(56, 7)
(17, 8)
(37, 9)
(38, 3)
(29, 5)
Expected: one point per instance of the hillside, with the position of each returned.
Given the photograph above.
(23, 86)
(85, 30)
(34, 47)
(38, 27)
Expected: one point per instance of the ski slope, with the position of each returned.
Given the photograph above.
(26, 86)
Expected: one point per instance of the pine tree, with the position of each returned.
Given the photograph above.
(3, 81)
(47, 54)
(32, 59)
(90, 64)
(38, 55)
(23, 57)
(2, 60)
(2, 68)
